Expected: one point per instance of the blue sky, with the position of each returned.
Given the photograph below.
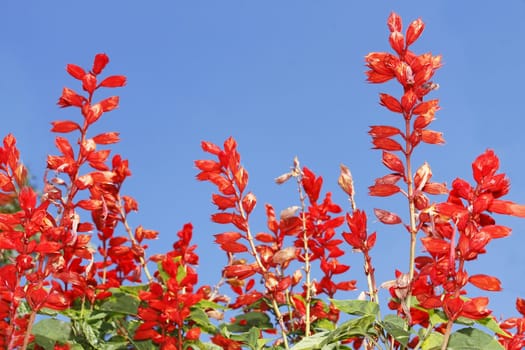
(284, 78)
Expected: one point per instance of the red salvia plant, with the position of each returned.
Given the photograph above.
(65, 255)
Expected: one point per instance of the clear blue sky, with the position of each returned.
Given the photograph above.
(284, 78)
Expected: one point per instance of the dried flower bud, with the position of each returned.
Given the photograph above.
(401, 286)
(345, 180)
(88, 146)
(289, 212)
(422, 176)
(296, 164)
(215, 314)
(296, 277)
(284, 255)
(283, 178)
(271, 282)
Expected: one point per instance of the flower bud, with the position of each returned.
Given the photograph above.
(284, 255)
(248, 202)
(345, 180)
(289, 212)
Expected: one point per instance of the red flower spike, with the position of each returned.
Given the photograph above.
(392, 162)
(423, 121)
(387, 217)
(208, 165)
(391, 103)
(414, 31)
(394, 22)
(107, 138)
(109, 103)
(496, 231)
(397, 42)
(224, 202)
(430, 106)
(432, 137)
(378, 78)
(239, 271)
(93, 113)
(114, 81)
(485, 282)
(435, 246)
(64, 126)
(192, 334)
(70, 98)
(75, 71)
(475, 308)
(27, 199)
(520, 306)
(100, 62)
(386, 144)
(225, 343)
(264, 237)
(435, 188)
(64, 147)
(233, 247)
(485, 165)
(371, 240)
(210, 148)
(382, 131)
(507, 208)
(408, 100)
(383, 190)
(311, 184)
(89, 83)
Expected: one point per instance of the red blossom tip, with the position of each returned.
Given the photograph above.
(394, 22)
(100, 62)
(414, 30)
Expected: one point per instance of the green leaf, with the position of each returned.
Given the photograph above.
(207, 304)
(121, 303)
(261, 343)
(324, 324)
(143, 345)
(312, 342)
(90, 334)
(47, 312)
(432, 342)
(132, 290)
(436, 317)
(201, 319)
(210, 346)
(464, 321)
(49, 331)
(357, 307)
(181, 273)
(244, 322)
(490, 323)
(472, 339)
(113, 346)
(362, 326)
(395, 326)
(253, 336)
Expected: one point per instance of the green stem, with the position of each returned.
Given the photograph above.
(411, 210)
